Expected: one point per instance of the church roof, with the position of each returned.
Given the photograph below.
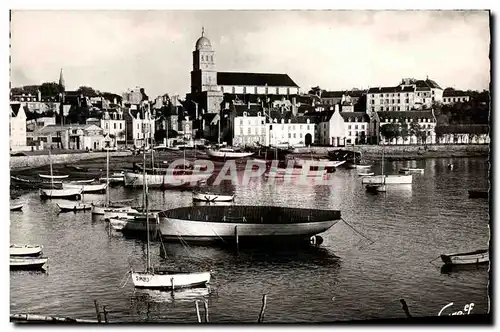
(254, 79)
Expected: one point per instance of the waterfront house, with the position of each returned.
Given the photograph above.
(113, 124)
(85, 137)
(288, 128)
(138, 126)
(17, 127)
(463, 134)
(451, 96)
(249, 125)
(407, 132)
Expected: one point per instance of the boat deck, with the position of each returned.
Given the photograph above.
(251, 214)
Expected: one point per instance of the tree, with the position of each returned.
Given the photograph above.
(87, 91)
(362, 138)
(415, 129)
(316, 91)
(390, 131)
(49, 89)
(404, 131)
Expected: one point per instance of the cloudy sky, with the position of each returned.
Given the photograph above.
(116, 50)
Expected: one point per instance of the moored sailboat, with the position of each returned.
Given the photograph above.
(71, 193)
(25, 250)
(226, 154)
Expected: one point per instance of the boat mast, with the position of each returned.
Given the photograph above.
(107, 177)
(145, 187)
(51, 175)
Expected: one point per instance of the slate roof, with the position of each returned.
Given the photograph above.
(338, 94)
(255, 79)
(450, 92)
(360, 116)
(252, 111)
(15, 109)
(391, 89)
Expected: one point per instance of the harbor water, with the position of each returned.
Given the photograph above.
(387, 249)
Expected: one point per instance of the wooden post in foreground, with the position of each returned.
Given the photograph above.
(237, 239)
(205, 303)
(97, 311)
(105, 314)
(263, 309)
(198, 311)
(405, 308)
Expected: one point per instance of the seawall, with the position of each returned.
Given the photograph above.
(407, 151)
(42, 160)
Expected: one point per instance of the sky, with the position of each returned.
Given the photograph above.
(337, 50)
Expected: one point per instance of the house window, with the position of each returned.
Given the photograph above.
(300, 135)
(349, 127)
(222, 89)
(372, 101)
(255, 90)
(373, 109)
(114, 125)
(249, 130)
(356, 127)
(349, 134)
(244, 113)
(289, 135)
(294, 135)
(120, 126)
(307, 127)
(138, 126)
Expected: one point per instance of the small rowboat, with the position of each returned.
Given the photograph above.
(412, 170)
(25, 250)
(86, 188)
(82, 181)
(25, 183)
(169, 280)
(211, 197)
(25, 263)
(16, 207)
(73, 193)
(66, 207)
(473, 257)
(44, 176)
(366, 173)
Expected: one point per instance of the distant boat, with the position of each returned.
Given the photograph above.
(44, 176)
(82, 181)
(67, 207)
(25, 250)
(473, 257)
(31, 184)
(86, 188)
(27, 263)
(366, 173)
(165, 181)
(292, 172)
(16, 207)
(478, 193)
(388, 179)
(211, 197)
(136, 223)
(412, 170)
(318, 163)
(376, 187)
(73, 193)
(215, 223)
(226, 154)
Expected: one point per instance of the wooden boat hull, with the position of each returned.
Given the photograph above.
(16, 207)
(388, 179)
(27, 263)
(112, 180)
(318, 163)
(475, 257)
(170, 280)
(103, 210)
(366, 174)
(222, 155)
(58, 177)
(26, 250)
(207, 197)
(75, 194)
(31, 184)
(82, 181)
(134, 224)
(165, 181)
(68, 207)
(86, 188)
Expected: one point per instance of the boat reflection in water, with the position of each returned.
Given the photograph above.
(182, 295)
(449, 269)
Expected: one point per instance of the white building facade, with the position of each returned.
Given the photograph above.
(17, 126)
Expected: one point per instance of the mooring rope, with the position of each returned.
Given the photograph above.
(431, 262)
(357, 231)
(125, 278)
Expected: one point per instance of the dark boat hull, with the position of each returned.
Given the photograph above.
(478, 193)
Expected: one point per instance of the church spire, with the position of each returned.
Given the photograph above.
(61, 81)
(202, 31)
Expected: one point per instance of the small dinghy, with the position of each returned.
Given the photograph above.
(366, 173)
(16, 207)
(473, 257)
(25, 250)
(86, 188)
(73, 193)
(411, 170)
(67, 207)
(82, 181)
(25, 263)
(211, 197)
(45, 176)
(25, 183)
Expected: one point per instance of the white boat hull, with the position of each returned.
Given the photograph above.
(102, 210)
(74, 193)
(174, 229)
(26, 250)
(281, 172)
(16, 207)
(170, 280)
(207, 197)
(466, 259)
(212, 154)
(387, 179)
(27, 263)
(366, 174)
(118, 212)
(87, 188)
(413, 170)
(319, 163)
(165, 180)
(43, 176)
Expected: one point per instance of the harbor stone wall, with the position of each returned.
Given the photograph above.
(42, 160)
(430, 151)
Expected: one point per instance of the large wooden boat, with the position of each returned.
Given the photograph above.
(25, 250)
(226, 154)
(34, 184)
(388, 179)
(247, 223)
(54, 177)
(473, 257)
